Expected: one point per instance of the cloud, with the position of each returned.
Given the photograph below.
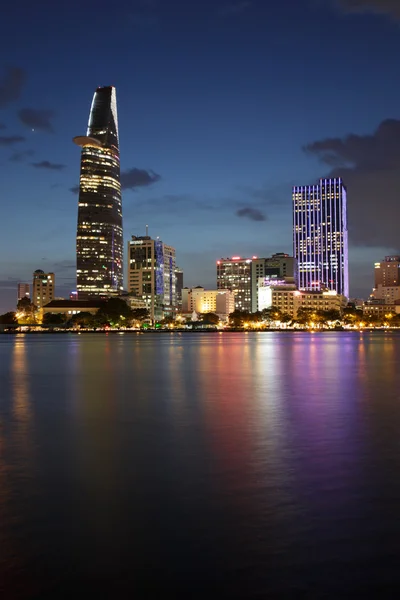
(11, 85)
(390, 7)
(21, 156)
(10, 281)
(370, 168)
(45, 164)
(74, 189)
(235, 8)
(134, 178)
(10, 140)
(254, 214)
(378, 150)
(37, 118)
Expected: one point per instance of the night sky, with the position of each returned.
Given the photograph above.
(223, 105)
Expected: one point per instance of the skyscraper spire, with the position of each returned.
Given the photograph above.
(99, 243)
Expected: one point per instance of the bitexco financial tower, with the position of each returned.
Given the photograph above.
(99, 243)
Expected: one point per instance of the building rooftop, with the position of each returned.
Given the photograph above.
(74, 304)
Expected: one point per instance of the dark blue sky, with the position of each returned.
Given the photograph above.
(223, 105)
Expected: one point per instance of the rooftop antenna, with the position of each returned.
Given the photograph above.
(147, 230)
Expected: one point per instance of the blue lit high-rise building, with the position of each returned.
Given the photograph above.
(320, 238)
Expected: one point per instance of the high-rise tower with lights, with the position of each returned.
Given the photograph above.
(99, 243)
(320, 238)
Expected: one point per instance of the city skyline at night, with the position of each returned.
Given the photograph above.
(223, 107)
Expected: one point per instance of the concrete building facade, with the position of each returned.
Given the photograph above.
(43, 288)
(279, 266)
(291, 300)
(199, 300)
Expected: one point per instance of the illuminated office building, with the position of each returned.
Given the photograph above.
(320, 238)
(43, 288)
(99, 245)
(152, 274)
(235, 274)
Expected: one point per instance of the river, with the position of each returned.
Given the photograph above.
(220, 465)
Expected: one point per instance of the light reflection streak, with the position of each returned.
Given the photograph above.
(15, 474)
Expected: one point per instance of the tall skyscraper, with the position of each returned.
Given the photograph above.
(43, 288)
(99, 244)
(23, 291)
(151, 274)
(235, 274)
(320, 238)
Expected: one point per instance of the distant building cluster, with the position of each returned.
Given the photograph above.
(315, 276)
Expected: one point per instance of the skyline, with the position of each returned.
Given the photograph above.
(207, 143)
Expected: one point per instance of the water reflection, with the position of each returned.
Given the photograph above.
(20, 385)
(255, 462)
(17, 466)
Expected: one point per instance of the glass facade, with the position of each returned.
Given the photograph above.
(99, 243)
(320, 237)
(151, 274)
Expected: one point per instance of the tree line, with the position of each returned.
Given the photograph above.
(116, 313)
(113, 313)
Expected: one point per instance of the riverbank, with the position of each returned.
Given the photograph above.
(53, 331)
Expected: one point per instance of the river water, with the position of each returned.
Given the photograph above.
(232, 465)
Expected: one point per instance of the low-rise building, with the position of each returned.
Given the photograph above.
(267, 286)
(380, 308)
(132, 300)
(327, 300)
(388, 294)
(72, 307)
(289, 300)
(220, 302)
